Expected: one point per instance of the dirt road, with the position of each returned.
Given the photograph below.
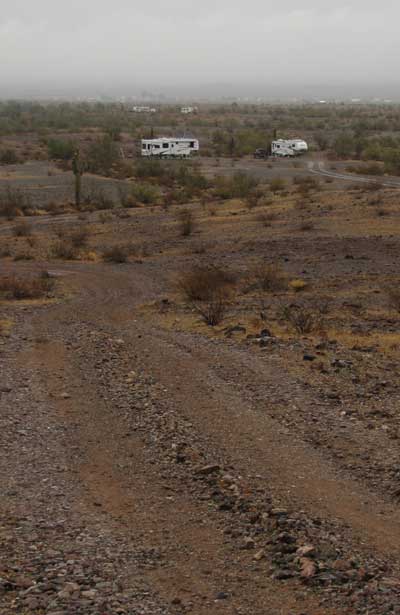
(149, 471)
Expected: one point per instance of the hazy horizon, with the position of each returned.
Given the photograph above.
(203, 49)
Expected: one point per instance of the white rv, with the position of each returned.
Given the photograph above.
(144, 109)
(168, 147)
(288, 147)
(187, 110)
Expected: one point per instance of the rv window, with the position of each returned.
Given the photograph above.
(165, 145)
(156, 147)
(192, 144)
(143, 145)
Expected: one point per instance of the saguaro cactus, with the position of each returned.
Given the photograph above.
(77, 169)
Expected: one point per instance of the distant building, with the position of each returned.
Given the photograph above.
(168, 147)
(144, 109)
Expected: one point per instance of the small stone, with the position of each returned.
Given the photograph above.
(305, 550)
(210, 469)
(248, 543)
(90, 594)
(259, 555)
(308, 568)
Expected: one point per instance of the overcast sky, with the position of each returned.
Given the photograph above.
(134, 44)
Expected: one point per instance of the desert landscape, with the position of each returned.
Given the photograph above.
(199, 362)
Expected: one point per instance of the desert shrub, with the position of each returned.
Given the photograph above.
(65, 250)
(5, 251)
(301, 318)
(298, 285)
(96, 197)
(393, 295)
(105, 216)
(13, 287)
(373, 168)
(145, 193)
(102, 155)
(266, 218)
(268, 278)
(372, 186)
(186, 222)
(306, 225)
(214, 310)
(60, 149)
(22, 229)
(13, 202)
(252, 201)
(145, 169)
(240, 185)
(115, 254)
(277, 184)
(122, 214)
(79, 237)
(202, 283)
(24, 255)
(8, 156)
(311, 183)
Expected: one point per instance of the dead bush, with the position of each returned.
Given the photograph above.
(214, 310)
(203, 283)
(266, 218)
(64, 250)
(79, 237)
(22, 229)
(13, 287)
(381, 212)
(268, 278)
(393, 295)
(306, 225)
(115, 254)
(24, 255)
(5, 251)
(186, 222)
(301, 318)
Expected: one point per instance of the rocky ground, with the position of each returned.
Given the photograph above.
(150, 464)
(144, 472)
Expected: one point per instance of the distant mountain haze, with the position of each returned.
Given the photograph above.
(192, 48)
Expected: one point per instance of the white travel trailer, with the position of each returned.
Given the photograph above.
(288, 147)
(168, 147)
(144, 109)
(187, 110)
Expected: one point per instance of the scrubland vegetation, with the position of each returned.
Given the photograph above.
(211, 344)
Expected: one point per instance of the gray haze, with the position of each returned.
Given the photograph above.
(199, 47)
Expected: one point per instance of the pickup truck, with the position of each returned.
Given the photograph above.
(261, 153)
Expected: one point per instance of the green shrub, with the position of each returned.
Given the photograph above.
(8, 156)
(60, 149)
(145, 193)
